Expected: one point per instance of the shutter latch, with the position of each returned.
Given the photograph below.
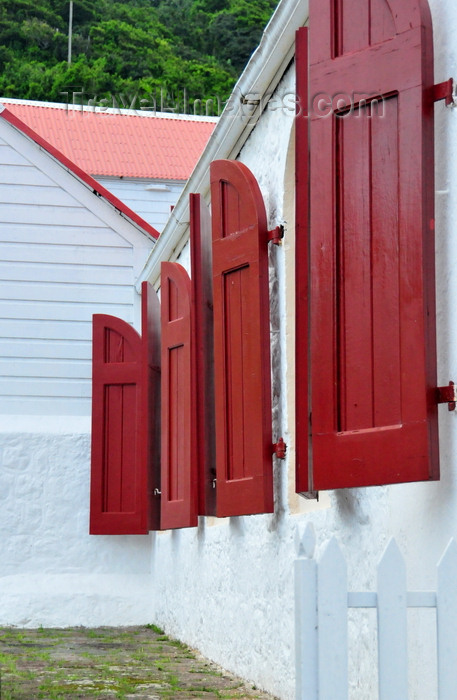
(276, 235)
(280, 448)
(447, 394)
(445, 91)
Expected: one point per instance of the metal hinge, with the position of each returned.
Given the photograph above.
(276, 235)
(445, 91)
(157, 492)
(447, 394)
(279, 449)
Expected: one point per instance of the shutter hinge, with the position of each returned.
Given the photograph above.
(157, 492)
(276, 235)
(447, 394)
(445, 91)
(280, 448)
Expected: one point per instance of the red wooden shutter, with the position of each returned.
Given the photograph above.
(201, 258)
(241, 342)
(150, 413)
(179, 462)
(302, 264)
(124, 387)
(374, 419)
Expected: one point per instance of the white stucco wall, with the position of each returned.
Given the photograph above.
(226, 587)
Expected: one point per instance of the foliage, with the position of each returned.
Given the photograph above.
(181, 49)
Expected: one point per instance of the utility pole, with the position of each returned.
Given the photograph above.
(70, 31)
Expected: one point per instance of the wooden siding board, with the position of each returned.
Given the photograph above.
(52, 311)
(46, 387)
(61, 235)
(73, 293)
(46, 330)
(71, 274)
(50, 215)
(8, 156)
(45, 368)
(24, 175)
(49, 195)
(44, 405)
(36, 348)
(62, 254)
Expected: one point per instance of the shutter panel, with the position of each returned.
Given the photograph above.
(302, 473)
(118, 506)
(374, 417)
(201, 259)
(241, 342)
(179, 463)
(150, 413)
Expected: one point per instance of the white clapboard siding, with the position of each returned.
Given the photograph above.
(152, 200)
(76, 274)
(21, 368)
(65, 254)
(9, 156)
(26, 175)
(46, 387)
(55, 235)
(81, 255)
(75, 293)
(37, 348)
(37, 310)
(41, 405)
(37, 194)
(46, 330)
(50, 215)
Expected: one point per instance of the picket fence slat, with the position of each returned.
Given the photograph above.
(392, 625)
(447, 623)
(306, 682)
(322, 602)
(332, 624)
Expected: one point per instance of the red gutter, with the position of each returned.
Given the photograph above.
(81, 174)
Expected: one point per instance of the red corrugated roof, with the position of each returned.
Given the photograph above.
(110, 143)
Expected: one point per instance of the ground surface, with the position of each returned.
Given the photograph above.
(138, 663)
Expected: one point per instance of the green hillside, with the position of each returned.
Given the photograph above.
(162, 54)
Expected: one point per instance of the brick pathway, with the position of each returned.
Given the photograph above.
(130, 663)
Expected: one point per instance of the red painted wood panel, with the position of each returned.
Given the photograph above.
(302, 264)
(202, 289)
(179, 469)
(241, 342)
(150, 414)
(373, 357)
(125, 418)
(118, 505)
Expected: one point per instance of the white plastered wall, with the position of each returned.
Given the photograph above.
(226, 587)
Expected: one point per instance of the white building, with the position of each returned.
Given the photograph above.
(226, 586)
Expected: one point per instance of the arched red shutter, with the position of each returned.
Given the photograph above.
(241, 342)
(202, 289)
(120, 449)
(179, 463)
(374, 418)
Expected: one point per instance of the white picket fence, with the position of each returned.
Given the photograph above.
(322, 602)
